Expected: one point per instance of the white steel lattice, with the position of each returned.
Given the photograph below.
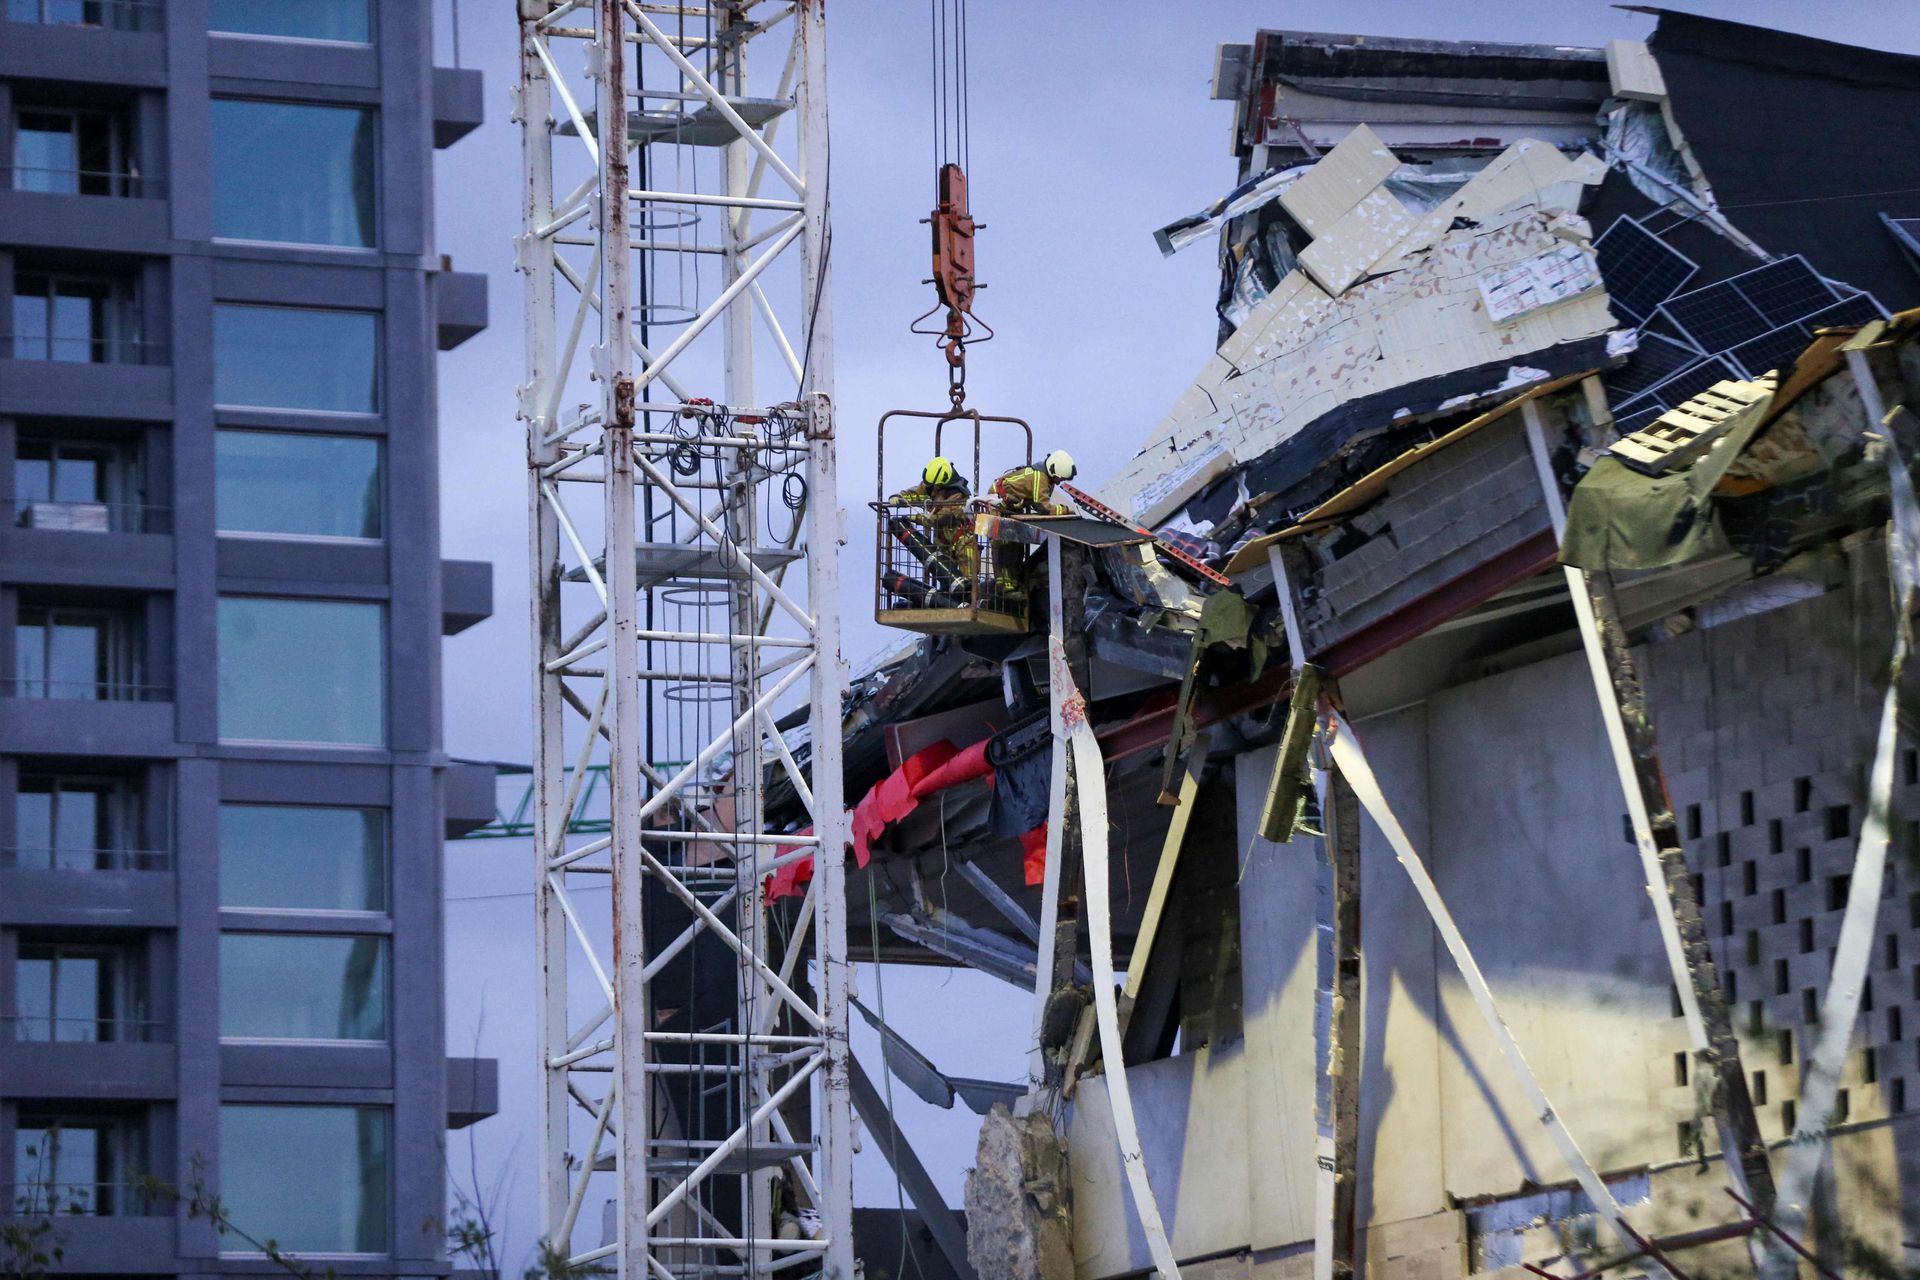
(693, 1044)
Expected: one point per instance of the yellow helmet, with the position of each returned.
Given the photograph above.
(938, 472)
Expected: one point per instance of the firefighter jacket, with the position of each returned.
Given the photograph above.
(1027, 491)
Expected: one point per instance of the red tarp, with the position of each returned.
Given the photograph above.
(920, 775)
(1033, 849)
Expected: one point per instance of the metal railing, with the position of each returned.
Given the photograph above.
(81, 1199)
(41, 346)
(85, 182)
(92, 517)
(34, 1028)
(933, 559)
(115, 15)
(86, 690)
(30, 858)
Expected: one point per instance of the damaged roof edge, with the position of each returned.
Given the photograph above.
(1731, 41)
(1361, 49)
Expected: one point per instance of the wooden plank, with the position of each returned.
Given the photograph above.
(1163, 872)
(1681, 435)
(952, 622)
(1282, 804)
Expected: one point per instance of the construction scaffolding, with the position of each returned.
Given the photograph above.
(696, 1069)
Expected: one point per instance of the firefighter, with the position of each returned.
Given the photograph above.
(932, 521)
(1028, 490)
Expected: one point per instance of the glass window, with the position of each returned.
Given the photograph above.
(62, 652)
(88, 486)
(81, 1164)
(294, 358)
(121, 15)
(74, 993)
(313, 1179)
(56, 1166)
(302, 986)
(50, 471)
(77, 823)
(303, 857)
(70, 152)
(303, 485)
(302, 671)
(322, 161)
(293, 19)
(76, 319)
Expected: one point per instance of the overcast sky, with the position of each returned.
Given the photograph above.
(1091, 127)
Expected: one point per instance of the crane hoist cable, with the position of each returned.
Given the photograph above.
(951, 220)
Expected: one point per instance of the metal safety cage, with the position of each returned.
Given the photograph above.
(683, 533)
(936, 568)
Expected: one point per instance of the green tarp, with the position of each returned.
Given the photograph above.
(1619, 518)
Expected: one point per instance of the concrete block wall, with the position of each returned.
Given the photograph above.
(1442, 516)
(1766, 726)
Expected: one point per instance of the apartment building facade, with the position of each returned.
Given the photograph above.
(223, 792)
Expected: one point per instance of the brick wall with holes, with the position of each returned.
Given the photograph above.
(1765, 725)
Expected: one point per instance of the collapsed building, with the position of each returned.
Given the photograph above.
(1512, 864)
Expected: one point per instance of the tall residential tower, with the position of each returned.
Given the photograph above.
(223, 792)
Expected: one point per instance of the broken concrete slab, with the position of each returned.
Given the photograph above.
(1632, 73)
(1362, 236)
(1304, 354)
(1339, 181)
(1019, 1201)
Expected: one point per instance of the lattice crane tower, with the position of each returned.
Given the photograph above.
(684, 530)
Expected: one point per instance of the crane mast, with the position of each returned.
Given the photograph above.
(684, 529)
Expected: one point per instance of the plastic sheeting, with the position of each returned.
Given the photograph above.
(1620, 519)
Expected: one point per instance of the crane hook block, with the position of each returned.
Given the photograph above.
(953, 229)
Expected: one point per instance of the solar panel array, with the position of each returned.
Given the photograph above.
(1741, 327)
(1764, 318)
(1681, 385)
(1640, 270)
(1779, 348)
(1657, 358)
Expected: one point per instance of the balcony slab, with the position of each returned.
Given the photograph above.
(78, 558)
(89, 1071)
(67, 726)
(53, 388)
(101, 223)
(99, 899)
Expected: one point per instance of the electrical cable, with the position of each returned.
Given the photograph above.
(886, 1082)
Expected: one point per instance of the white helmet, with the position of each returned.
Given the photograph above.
(1060, 465)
